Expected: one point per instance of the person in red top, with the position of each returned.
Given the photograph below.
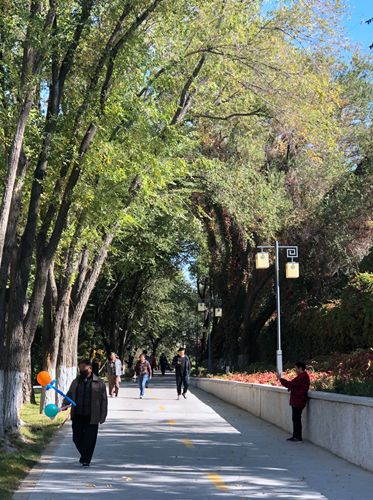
(298, 388)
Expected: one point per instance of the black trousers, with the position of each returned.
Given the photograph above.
(84, 437)
(182, 383)
(297, 422)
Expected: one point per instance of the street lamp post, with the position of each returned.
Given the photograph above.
(292, 271)
(213, 312)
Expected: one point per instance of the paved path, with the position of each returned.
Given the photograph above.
(159, 448)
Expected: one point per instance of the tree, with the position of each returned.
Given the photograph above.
(71, 121)
(295, 187)
(194, 73)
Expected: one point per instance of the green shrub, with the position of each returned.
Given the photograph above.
(344, 386)
(340, 325)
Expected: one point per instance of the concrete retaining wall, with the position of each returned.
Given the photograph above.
(341, 424)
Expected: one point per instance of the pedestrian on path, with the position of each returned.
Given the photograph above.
(144, 372)
(298, 388)
(131, 359)
(89, 393)
(153, 362)
(114, 371)
(182, 366)
(164, 363)
(145, 353)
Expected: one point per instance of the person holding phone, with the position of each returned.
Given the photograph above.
(298, 388)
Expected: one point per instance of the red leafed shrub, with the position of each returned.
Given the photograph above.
(269, 378)
(253, 378)
(345, 373)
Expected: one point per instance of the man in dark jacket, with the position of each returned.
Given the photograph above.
(89, 393)
(182, 368)
(298, 388)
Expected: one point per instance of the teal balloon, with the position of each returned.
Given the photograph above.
(51, 410)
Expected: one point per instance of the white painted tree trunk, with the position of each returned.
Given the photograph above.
(65, 375)
(50, 396)
(13, 396)
(67, 357)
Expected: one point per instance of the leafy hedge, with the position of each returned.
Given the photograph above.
(341, 373)
(341, 325)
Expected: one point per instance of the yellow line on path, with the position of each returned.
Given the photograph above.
(171, 422)
(154, 397)
(162, 408)
(218, 481)
(188, 443)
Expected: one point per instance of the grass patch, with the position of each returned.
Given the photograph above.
(36, 433)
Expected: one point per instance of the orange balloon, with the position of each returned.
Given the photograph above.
(44, 378)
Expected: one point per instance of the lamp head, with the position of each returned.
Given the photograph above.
(292, 270)
(262, 260)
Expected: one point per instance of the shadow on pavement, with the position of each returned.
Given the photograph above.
(201, 448)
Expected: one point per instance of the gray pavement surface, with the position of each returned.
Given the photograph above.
(160, 448)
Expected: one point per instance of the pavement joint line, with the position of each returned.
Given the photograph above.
(218, 482)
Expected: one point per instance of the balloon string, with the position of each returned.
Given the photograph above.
(64, 395)
(52, 386)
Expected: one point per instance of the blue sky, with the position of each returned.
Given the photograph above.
(358, 31)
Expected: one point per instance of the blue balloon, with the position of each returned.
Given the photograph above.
(51, 410)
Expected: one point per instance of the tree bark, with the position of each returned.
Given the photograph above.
(27, 382)
(31, 67)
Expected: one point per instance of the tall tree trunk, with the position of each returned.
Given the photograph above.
(18, 355)
(31, 67)
(9, 248)
(73, 312)
(67, 355)
(52, 320)
(27, 382)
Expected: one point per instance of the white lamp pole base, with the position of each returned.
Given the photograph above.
(279, 362)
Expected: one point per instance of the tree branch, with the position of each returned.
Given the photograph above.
(256, 112)
(184, 101)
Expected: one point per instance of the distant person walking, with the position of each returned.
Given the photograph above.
(131, 359)
(182, 368)
(153, 362)
(163, 363)
(145, 353)
(114, 371)
(144, 372)
(89, 393)
(298, 388)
